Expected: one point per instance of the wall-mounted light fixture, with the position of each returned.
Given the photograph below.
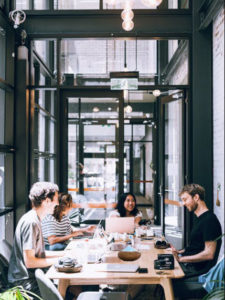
(156, 93)
(18, 17)
(95, 109)
(128, 108)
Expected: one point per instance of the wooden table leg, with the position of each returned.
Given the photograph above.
(63, 285)
(166, 283)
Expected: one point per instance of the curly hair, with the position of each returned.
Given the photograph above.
(42, 190)
(120, 205)
(193, 189)
(65, 201)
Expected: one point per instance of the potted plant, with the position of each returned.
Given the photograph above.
(18, 293)
(216, 294)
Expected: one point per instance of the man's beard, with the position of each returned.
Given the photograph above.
(195, 207)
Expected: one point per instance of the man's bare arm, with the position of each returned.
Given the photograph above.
(31, 261)
(175, 251)
(51, 253)
(207, 254)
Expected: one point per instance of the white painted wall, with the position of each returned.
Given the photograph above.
(218, 115)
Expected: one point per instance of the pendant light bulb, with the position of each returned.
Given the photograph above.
(128, 25)
(127, 14)
(95, 109)
(128, 109)
(156, 93)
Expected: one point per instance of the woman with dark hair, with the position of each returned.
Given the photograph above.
(56, 228)
(126, 207)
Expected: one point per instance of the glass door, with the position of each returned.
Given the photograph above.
(173, 166)
(138, 162)
(100, 181)
(92, 151)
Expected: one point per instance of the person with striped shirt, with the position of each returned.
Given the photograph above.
(57, 229)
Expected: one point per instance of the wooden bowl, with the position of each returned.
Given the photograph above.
(129, 255)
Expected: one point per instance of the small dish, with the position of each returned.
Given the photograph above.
(117, 246)
(75, 269)
(161, 245)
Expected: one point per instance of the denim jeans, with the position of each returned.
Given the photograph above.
(56, 247)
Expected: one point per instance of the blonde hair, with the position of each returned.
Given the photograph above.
(42, 190)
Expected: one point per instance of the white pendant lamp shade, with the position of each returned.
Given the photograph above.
(128, 109)
(128, 25)
(127, 14)
(156, 93)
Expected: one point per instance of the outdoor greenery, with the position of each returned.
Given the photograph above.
(216, 294)
(18, 293)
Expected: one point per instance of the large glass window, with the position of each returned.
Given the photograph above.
(45, 110)
(174, 166)
(90, 61)
(46, 50)
(93, 140)
(44, 142)
(95, 4)
(43, 62)
(173, 161)
(2, 179)
(6, 195)
(78, 4)
(178, 52)
(6, 139)
(145, 4)
(138, 161)
(2, 52)
(91, 148)
(22, 4)
(2, 116)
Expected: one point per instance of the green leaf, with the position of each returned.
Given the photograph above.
(216, 294)
(18, 293)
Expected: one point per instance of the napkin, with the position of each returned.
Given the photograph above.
(129, 249)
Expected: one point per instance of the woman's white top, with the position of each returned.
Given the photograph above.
(115, 213)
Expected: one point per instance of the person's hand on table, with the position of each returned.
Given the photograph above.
(176, 252)
(77, 233)
(176, 256)
(90, 228)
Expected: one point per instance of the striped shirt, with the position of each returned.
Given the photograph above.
(50, 226)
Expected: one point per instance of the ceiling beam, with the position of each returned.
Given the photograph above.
(57, 24)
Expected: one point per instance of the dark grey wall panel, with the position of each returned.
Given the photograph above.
(201, 165)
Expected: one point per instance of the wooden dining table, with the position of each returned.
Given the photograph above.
(92, 274)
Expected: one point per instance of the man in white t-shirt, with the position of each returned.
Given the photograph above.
(28, 247)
